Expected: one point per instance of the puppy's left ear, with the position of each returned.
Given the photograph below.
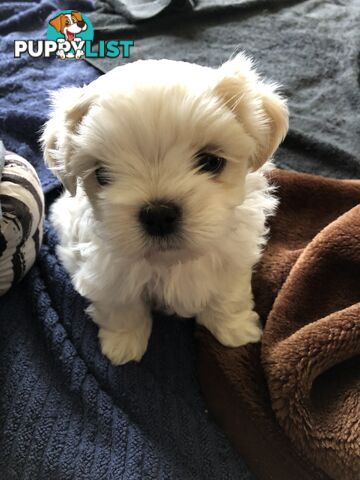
(257, 106)
(70, 106)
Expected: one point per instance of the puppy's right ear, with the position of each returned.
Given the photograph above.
(69, 107)
(57, 22)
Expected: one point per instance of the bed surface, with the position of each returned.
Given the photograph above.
(65, 413)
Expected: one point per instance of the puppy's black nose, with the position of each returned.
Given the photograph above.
(81, 23)
(160, 218)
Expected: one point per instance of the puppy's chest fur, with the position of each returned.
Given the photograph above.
(179, 288)
(182, 288)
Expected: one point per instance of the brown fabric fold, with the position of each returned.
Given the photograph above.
(291, 405)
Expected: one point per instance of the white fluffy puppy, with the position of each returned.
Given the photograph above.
(165, 206)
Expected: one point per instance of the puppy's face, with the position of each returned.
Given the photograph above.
(162, 149)
(69, 24)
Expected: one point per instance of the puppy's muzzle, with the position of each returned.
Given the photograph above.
(160, 218)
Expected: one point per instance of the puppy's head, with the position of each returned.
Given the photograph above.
(162, 148)
(69, 24)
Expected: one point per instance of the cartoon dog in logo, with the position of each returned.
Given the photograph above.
(69, 24)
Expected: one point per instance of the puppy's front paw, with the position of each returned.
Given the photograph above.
(246, 329)
(124, 345)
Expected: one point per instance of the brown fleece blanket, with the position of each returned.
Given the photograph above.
(291, 405)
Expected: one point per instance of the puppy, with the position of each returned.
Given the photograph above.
(165, 204)
(69, 24)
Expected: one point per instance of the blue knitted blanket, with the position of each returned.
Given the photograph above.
(65, 412)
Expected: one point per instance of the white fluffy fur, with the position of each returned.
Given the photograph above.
(145, 122)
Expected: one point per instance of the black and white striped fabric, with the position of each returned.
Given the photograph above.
(21, 218)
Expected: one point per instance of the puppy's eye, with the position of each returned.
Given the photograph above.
(102, 176)
(210, 163)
